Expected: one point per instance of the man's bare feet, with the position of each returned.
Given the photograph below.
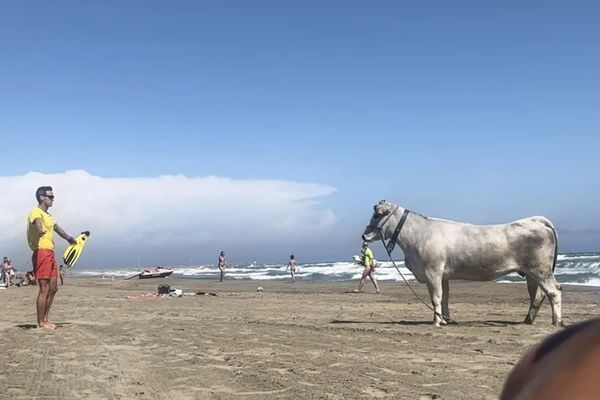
(46, 325)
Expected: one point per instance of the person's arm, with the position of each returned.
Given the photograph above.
(61, 232)
(38, 226)
(288, 266)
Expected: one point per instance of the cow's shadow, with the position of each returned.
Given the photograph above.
(401, 322)
(429, 322)
(491, 322)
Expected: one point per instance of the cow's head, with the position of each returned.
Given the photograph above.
(376, 228)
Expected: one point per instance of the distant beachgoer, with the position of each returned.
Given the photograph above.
(40, 229)
(222, 265)
(19, 280)
(292, 265)
(2, 278)
(368, 261)
(30, 278)
(61, 274)
(7, 271)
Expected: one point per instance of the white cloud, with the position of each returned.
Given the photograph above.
(148, 215)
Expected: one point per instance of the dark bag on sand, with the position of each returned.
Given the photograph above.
(164, 289)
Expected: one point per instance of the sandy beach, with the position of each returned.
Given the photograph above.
(301, 341)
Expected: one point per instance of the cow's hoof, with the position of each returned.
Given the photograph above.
(443, 322)
(559, 324)
(528, 320)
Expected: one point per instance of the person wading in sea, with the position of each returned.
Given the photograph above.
(292, 265)
(222, 265)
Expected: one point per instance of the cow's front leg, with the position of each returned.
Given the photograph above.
(445, 295)
(434, 285)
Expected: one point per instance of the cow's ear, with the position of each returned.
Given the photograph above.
(381, 208)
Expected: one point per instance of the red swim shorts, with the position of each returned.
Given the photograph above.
(44, 266)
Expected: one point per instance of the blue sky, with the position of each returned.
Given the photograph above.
(482, 112)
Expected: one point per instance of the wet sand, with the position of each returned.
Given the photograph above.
(301, 341)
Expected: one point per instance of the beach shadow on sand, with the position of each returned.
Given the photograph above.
(27, 327)
(428, 322)
(488, 323)
(347, 321)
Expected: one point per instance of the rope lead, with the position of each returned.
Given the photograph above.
(389, 253)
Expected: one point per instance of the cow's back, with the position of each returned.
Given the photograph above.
(485, 252)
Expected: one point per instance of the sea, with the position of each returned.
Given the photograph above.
(573, 269)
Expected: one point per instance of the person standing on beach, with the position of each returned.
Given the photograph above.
(222, 265)
(7, 271)
(292, 265)
(368, 262)
(61, 275)
(40, 229)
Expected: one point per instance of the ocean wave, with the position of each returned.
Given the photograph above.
(578, 269)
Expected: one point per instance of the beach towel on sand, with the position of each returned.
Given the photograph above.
(148, 296)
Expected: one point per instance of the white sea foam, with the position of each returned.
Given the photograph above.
(107, 272)
(566, 257)
(590, 282)
(570, 269)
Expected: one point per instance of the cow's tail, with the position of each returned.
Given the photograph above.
(555, 248)
(549, 224)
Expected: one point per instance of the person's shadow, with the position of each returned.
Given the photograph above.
(27, 327)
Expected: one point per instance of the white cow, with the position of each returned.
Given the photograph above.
(437, 250)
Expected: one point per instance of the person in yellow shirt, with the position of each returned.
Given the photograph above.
(368, 262)
(40, 229)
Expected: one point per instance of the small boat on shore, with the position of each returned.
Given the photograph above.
(155, 273)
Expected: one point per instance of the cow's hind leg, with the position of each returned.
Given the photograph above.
(445, 296)
(536, 298)
(552, 290)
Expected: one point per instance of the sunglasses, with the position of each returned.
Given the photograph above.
(51, 197)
